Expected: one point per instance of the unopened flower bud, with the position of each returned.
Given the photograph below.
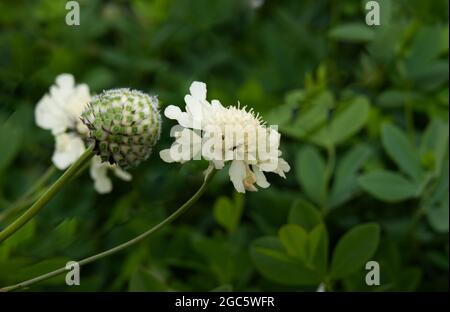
(125, 125)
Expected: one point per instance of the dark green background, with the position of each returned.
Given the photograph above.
(307, 66)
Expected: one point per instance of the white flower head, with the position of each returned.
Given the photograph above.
(220, 134)
(59, 111)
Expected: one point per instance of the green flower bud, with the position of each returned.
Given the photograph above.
(125, 124)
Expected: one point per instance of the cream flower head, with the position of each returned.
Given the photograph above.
(220, 134)
(60, 111)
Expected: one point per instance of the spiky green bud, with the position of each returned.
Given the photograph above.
(125, 125)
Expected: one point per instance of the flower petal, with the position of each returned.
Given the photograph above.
(99, 173)
(50, 116)
(103, 184)
(65, 81)
(260, 177)
(61, 107)
(269, 165)
(68, 148)
(198, 90)
(183, 118)
(196, 110)
(237, 175)
(165, 156)
(218, 164)
(172, 112)
(196, 104)
(216, 104)
(122, 174)
(76, 100)
(282, 167)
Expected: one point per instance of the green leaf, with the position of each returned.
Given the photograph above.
(401, 151)
(354, 249)
(391, 98)
(396, 98)
(304, 214)
(437, 206)
(387, 186)
(318, 249)
(422, 64)
(345, 182)
(347, 121)
(311, 248)
(409, 279)
(441, 188)
(426, 45)
(294, 239)
(227, 212)
(310, 114)
(274, 264)
(438, 215)
(352, 32)
(435, 143)
(431, 75)
(317, 84)
(310, 171)
(444, 39)
(223, 258)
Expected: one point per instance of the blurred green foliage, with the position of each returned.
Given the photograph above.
(363, 113)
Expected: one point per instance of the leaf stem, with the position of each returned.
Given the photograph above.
(48, 195)
(125, 245)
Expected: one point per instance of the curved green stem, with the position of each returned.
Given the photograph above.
(122, 246)
(49, 193)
